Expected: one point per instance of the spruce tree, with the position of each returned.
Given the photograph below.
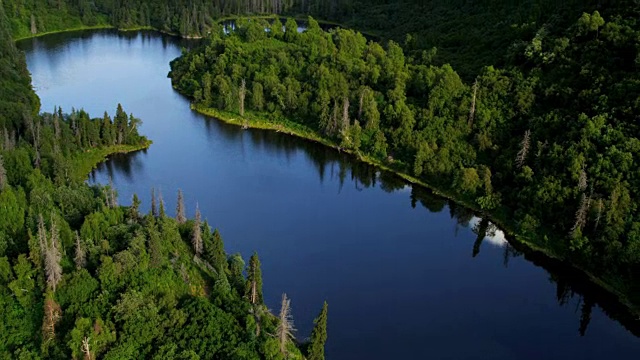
(318, 335)
(161, 211)
(135, 207)
(253, 289)
(121, 124)
(217, 253)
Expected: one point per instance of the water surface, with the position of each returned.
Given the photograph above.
(395, 263)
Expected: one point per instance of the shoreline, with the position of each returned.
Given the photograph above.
(85, 162)
(310, 135)
(106, 27)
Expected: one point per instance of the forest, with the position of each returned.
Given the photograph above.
(82, 277)
(524, 110)
(547, 143)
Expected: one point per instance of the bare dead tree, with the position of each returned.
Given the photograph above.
(8, 139)
(86, 350)
(197, 233)
(80, 257)
(112, 196)
(242, 94)
(361, 104)
(3, 174)
(52, 313)
(254, 293)
(599, 211)
(472, 110)
(34, 28)
(285, 329)
(161, 210)
(582, 180)
(56, 126)
(581, 214)
(345, 114)
(53, 257)
(181, 216)
(524, 149)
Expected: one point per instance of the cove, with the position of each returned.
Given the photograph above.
(395, 263)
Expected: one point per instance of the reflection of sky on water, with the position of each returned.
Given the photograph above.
(494, 235)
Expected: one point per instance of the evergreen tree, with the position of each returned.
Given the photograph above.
(120, 122)
(253, 289)
(134, 210)
(161, 210)
(106, 130)
(318, 335)
(216, 254)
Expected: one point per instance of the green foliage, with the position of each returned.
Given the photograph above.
(318, 336)
(130, 286)
(548, 140)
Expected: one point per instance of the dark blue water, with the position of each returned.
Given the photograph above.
(394, 263)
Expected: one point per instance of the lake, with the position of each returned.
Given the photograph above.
(405, 273)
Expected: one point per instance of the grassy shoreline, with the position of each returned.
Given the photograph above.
(79, 28)
(82, 164)
(252, 120)
(102, 27)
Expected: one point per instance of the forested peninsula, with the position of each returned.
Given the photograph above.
(526, 111)
(82, 277)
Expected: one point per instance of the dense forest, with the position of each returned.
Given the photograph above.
(526, 110)
(547, 143)
(82, 277)
(185, 17)
(467, 34)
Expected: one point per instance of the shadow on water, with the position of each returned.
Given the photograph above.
(53, 43)
(571, 283)
(121, 164)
